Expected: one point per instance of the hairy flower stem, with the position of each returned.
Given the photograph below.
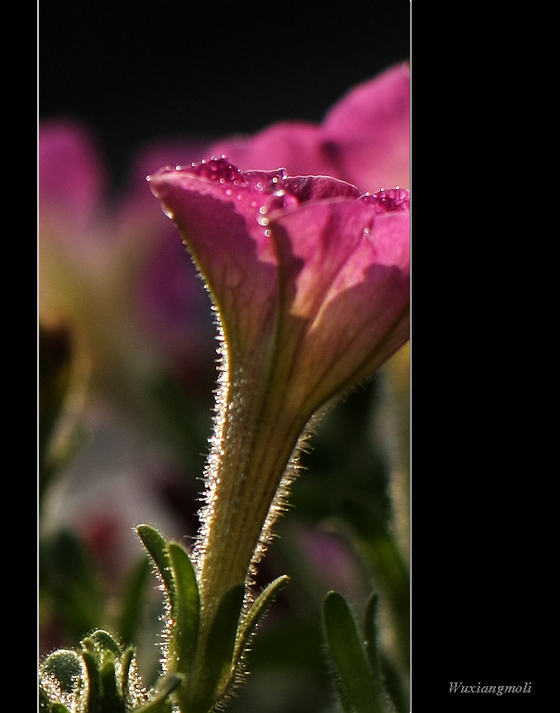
(252, 461)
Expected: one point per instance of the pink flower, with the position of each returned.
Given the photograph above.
(367, 133)
(363, 139)
(110, 269)
(310, 279)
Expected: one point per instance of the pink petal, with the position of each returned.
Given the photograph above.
(294, 146)
(367, 134)
(303, 262)
(71, 174)
(217, 209)
(345, 292)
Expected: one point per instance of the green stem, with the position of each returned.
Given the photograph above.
(253, 459)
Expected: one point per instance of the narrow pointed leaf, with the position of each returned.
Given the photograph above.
(126, 664)
(112, 701)
(218, 664)
(160, 703)
(94, 693)
(359, 691)
(187, 614)
(157, 547)
(100, 641)
(380, 664)
(257, 611)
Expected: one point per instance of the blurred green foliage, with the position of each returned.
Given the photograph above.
(343, 499)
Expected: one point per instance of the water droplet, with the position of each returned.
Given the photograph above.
(388, 200)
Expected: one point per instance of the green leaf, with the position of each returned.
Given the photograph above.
(100, 676)
(381, 664)
(359, 689)
(157, 547)
(105, 692)
(223, 633)
(112, 700)
(184, 631)
(94, 691)
(217, 668)
(101, 641)
(127, 684)
(257, 611)
(160, 703)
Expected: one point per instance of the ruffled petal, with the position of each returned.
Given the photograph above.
(222, 214)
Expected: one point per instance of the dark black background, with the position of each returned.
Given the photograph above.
(141, 71)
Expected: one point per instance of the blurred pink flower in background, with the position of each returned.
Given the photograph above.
(363, 139)
(109, 267)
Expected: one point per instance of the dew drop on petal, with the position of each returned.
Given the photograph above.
(388, 200)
